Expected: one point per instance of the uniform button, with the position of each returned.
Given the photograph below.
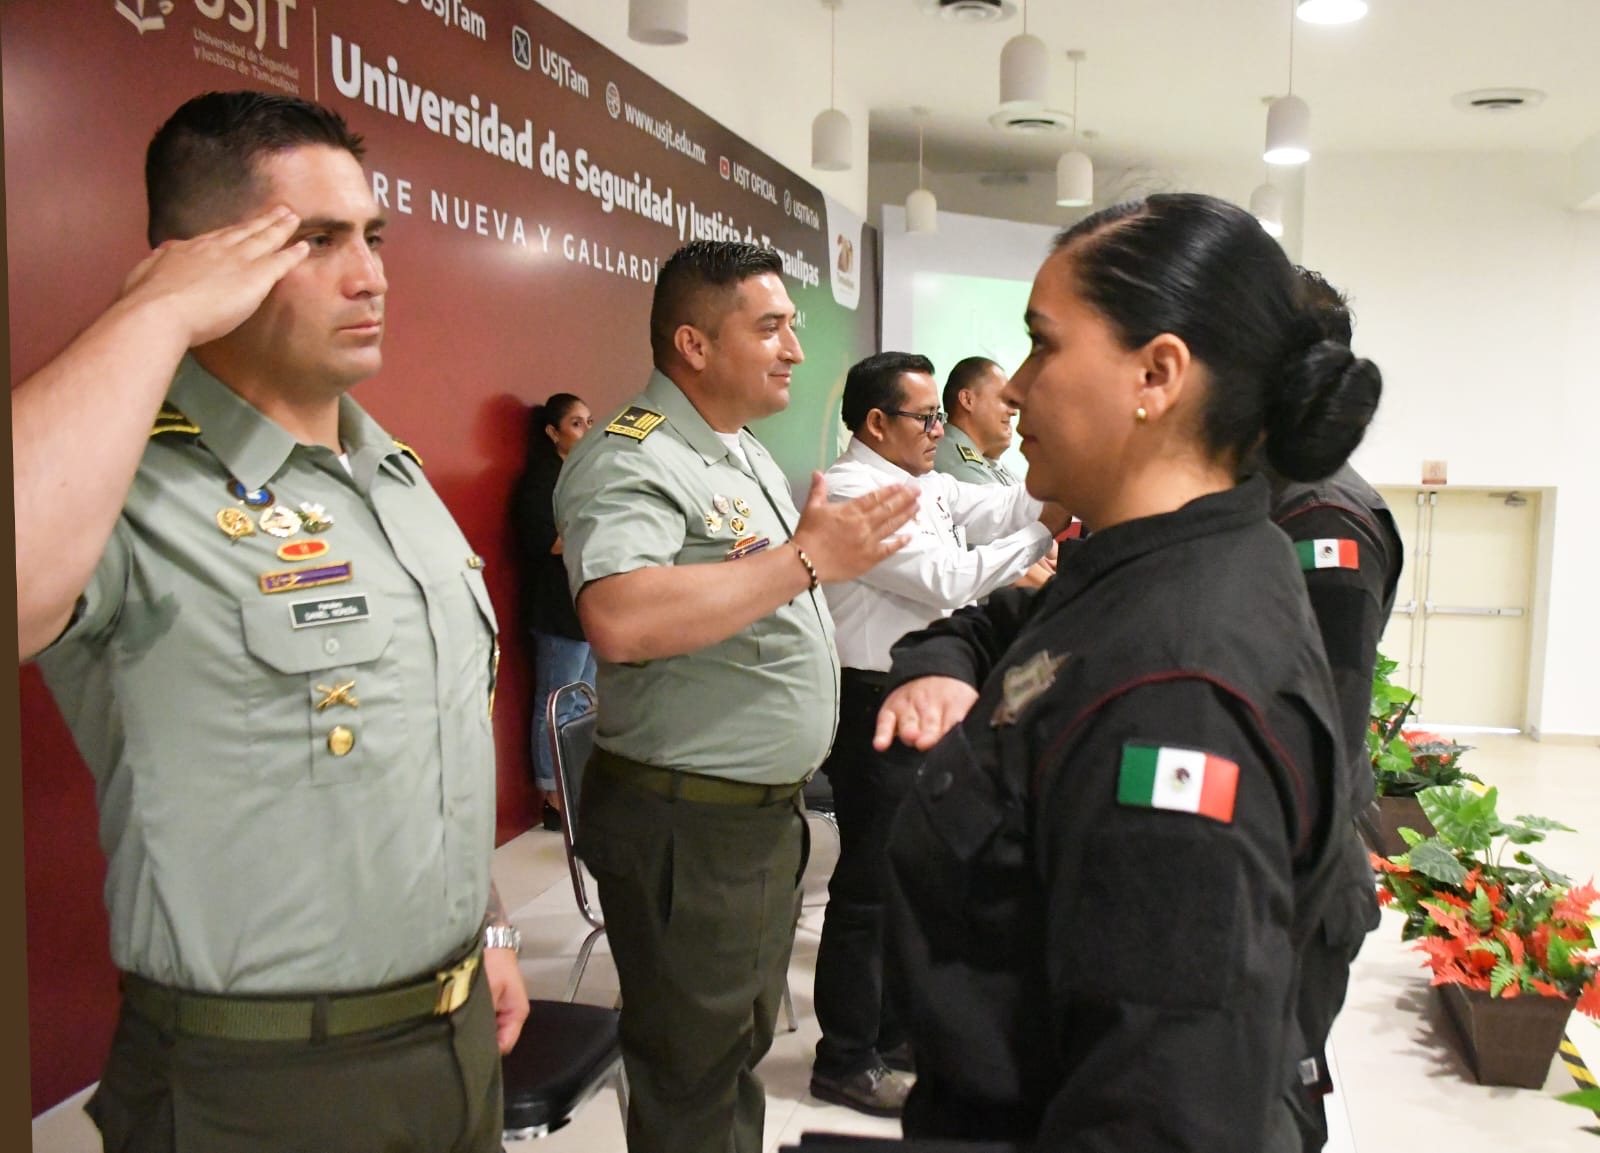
(940, 785)
(331, 645)
(340, 740)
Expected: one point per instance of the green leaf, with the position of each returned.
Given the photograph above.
(1410, 836)
(1434, 861)
(1561, 965)
(1482, 915)
(1502, 976)
(1583, 1098)
(1545, 824)
(1462, 819)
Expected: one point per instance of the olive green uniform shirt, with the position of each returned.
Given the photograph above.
(296, 787)
(760, 706)
(958, 456)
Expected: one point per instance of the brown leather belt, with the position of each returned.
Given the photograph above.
(681, 786)
(272, 1018)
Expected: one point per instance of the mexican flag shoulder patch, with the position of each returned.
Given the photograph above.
(1327, 553)
(1183, 780)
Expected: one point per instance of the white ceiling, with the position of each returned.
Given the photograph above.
(1169, 79)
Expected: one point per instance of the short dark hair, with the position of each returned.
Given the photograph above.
(1325, 302)
(200, 169)
(965, 374)
(542, 416)
(875, 383)
(1206, 271)
(696, 286)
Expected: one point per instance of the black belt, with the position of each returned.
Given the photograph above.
(271, 1018)
(680, 786)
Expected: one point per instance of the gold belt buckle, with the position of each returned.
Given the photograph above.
(454, 986)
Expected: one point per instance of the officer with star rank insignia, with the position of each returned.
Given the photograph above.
(697, 582)
(1133, 815)
(276, 653)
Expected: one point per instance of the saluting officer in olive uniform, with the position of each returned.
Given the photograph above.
(978, 425)
(697, 582)
(276, 653)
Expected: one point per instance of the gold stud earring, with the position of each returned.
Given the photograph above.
(1140, 414)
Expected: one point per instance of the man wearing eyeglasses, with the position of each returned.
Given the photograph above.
(966, 541)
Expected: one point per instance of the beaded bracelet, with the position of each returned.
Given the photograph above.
(811, 569)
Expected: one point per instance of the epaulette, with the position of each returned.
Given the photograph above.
(170, 420)
(636, 423)
(971, 456)
(409, 451)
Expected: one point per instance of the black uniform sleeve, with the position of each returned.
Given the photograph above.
(965, 645)
(1348, 604)
(1168, 935)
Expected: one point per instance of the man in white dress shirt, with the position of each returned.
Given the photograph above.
(966, 541)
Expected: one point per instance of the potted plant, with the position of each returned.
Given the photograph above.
(1404, 762)
(1509, 942)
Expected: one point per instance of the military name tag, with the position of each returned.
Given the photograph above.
(286, 580)
(334, 610)
(635, 422)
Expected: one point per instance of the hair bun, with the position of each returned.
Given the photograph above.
(1319, 412)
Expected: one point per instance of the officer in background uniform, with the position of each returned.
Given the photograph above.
(1104, 875)
(979, 412)
(697, 583)
(890, 405)
(1348, 548)
(977, 430)
(276, 654)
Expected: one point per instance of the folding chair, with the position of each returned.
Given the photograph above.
(567, 1052)
(571, 741)
(565, 1055)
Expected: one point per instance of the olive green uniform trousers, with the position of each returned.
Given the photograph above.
(699, 905)
(430, 1085)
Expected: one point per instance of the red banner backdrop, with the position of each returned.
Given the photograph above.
(534, 182)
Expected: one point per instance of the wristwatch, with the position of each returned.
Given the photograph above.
(502, 937)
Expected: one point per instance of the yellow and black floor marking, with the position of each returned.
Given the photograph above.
(1573, 1060)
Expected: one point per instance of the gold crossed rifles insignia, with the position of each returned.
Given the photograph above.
(342, 694)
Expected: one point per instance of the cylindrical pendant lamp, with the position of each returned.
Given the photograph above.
(658, 21)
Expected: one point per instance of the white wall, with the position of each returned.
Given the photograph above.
(765, 87)
(1477, 291)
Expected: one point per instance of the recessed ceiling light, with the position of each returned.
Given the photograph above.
(1331, 11)
(969, 11)
(1498, 99)
(1025, 120)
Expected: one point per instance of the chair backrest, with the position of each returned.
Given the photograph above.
(572, 710)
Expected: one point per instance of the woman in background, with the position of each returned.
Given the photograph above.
(560, 653)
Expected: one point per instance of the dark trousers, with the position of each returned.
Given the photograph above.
(420, 1087)
(1325, 960)
(858, 1022)
(699, 906)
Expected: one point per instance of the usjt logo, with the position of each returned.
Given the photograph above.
(145, 15)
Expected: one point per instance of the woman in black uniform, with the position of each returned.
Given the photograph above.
(1105, 871)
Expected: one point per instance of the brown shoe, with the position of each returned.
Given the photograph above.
(876, 1090)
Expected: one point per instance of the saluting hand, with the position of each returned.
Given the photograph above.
(211, 284)
(846, 539)
(919, 712)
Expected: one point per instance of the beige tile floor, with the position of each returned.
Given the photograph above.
(1400, 1081)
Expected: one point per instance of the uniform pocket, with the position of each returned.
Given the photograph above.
(332, 689)
(958, 852)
